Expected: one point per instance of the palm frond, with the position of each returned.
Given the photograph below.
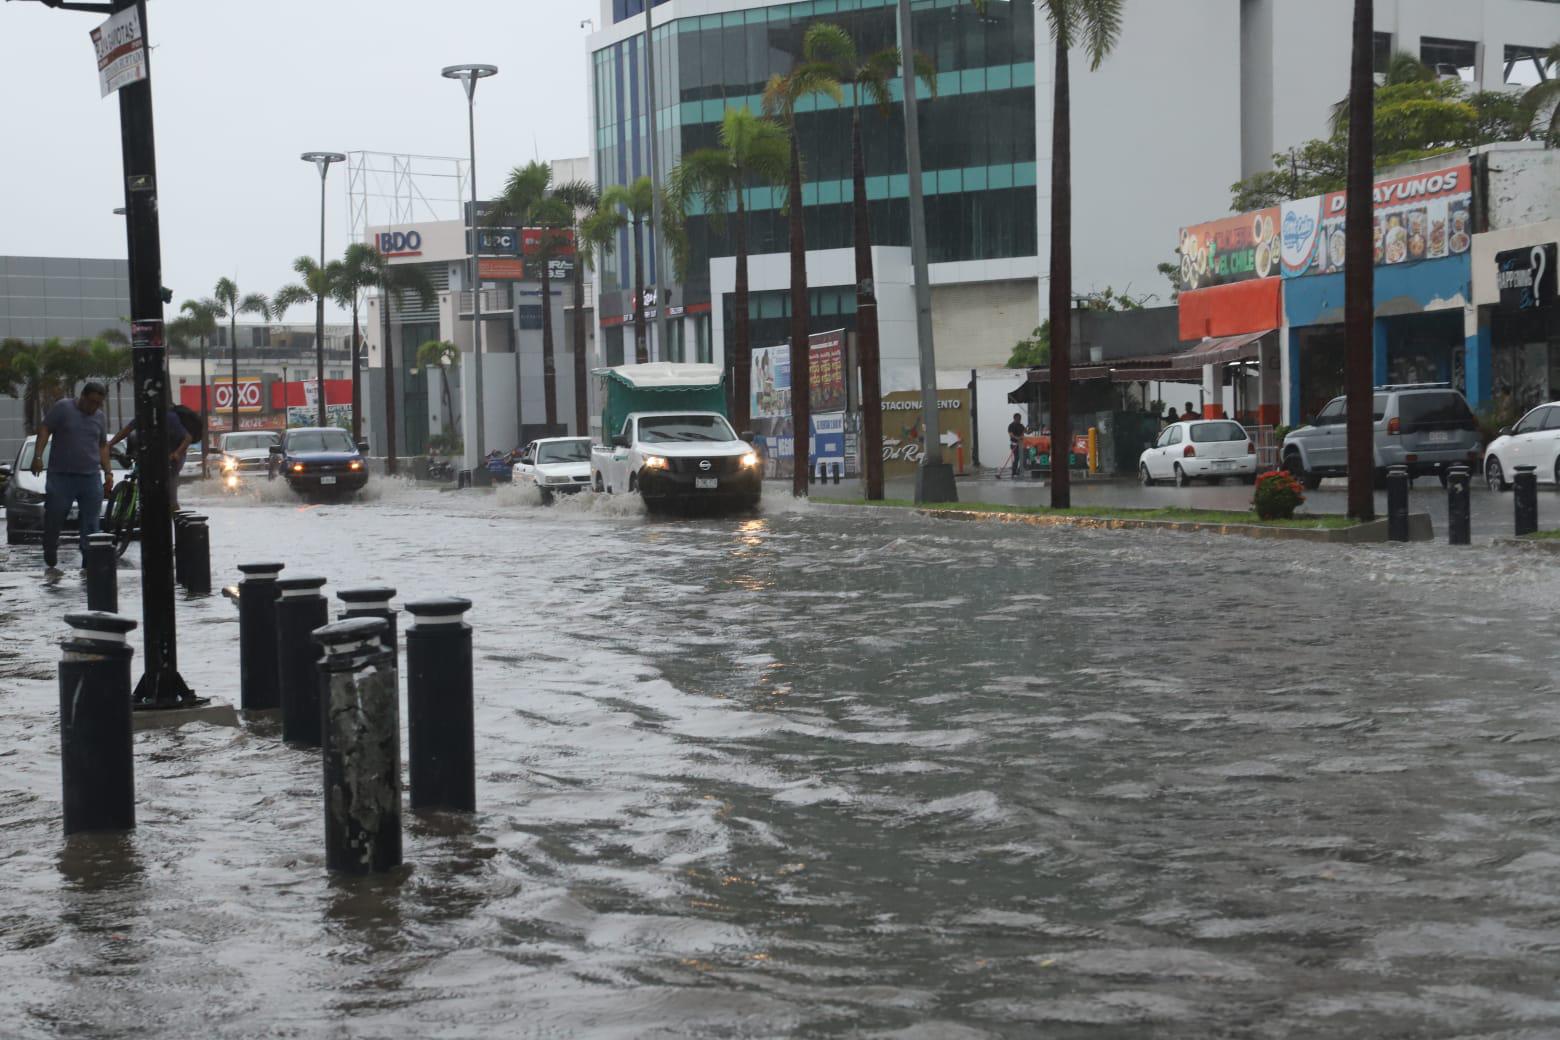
(831, 45)
(255, 303)
(1101, 23)
(226, 292)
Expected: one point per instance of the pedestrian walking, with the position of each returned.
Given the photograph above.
(78, 433)
(1171, 418)
(1016, 431)
(180, 437)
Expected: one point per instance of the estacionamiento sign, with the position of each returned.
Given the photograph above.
(121, 51)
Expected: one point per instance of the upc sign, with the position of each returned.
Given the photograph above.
(398, 243)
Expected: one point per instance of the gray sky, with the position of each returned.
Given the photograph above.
(241, 88)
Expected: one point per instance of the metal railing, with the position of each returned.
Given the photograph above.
(494, 301)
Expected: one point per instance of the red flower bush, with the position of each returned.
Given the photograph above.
(1278, 495)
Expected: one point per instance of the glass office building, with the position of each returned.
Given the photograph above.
(977, 133)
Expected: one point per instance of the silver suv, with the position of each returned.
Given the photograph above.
(1427, 427)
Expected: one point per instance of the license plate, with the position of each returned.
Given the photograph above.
(1439, 436)
(706, 483)
(327, 480)
(1224, 462)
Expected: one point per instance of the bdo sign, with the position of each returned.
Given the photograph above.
(399, 243)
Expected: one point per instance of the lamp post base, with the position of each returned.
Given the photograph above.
(935, 483)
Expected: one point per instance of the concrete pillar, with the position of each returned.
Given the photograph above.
(1478, 356)
(1382, 364)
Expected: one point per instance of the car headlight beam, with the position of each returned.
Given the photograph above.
(655, 462)
(750, 460)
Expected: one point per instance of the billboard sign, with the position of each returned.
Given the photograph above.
(500, 269)
(903, 430)
(121, 51)
(1424, 217)
(498, 241)
(249, 398)
(1235, 249)
(1526, 277)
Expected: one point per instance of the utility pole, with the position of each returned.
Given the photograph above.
(661, 353)
(124, 63)
(934, 477)
(1359, 269)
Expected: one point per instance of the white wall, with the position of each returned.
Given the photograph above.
(977, 325)
(498, 394)
(991, 404)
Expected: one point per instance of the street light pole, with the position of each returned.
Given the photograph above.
(468, 76)
(321, 161)
(661, 353)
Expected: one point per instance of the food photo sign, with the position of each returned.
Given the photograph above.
(1235, 249)
(1424, 217)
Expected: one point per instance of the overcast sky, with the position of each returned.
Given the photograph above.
(241, 88)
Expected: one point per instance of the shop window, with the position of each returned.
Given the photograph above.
(1381, 57)
(1526, 66)
(1451, 59)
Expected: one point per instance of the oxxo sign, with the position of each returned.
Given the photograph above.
(399, 243)
(248, 396)
(1526, 277)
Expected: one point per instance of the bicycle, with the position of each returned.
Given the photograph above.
(123, 517)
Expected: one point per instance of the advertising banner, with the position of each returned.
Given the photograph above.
(828, 439)
(1424, 217)
(1526, 277)
(338, 415)
(903, 430)
(771, 386)
(1235, 249)
(500, 269)
(770, 402)
(121, 51)
(828, 371)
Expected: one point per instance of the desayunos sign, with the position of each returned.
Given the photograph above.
(1425, 217)
(394, 244)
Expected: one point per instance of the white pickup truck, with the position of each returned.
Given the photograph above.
(669, 442)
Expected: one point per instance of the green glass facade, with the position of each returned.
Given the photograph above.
(977, 133)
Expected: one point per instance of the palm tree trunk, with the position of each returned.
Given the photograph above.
(641, 348)
(801, 354)
(871, 444)
(319, 352)
(205, 418)
(233, 342)
(581, 388)
(741, 343)
(1061, 281)
(357, 394)
(549, 364)
(1360, 273)
(449, 406)
(389, 359)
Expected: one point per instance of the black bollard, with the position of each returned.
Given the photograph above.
(102, 564)
(1397, 504)
(179, 545)
(839, 468)
(96, 759)
(300, 609)
(439, 705)
(372, 601)
(196, 537)
(360, 692)
(257, 637)
(1459, 512)
(1525, 499)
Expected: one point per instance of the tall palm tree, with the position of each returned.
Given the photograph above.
(751, 150)
(781, 97)
(356, 276)
(38, 372)
(198, 320)
(869, 78)
(1359, 267)
(638, 201)
(392, 280)
(442, 355)
(117, 338)
(1540, 109)
(1095, 25)
(317, 285)
(582, 198)
(232, 304)
(521, 205)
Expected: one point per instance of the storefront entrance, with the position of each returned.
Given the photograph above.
(1526, 361)
(1426, 348)
(1321, 355)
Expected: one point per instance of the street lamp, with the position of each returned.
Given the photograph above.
(321, 161)
(468, 76)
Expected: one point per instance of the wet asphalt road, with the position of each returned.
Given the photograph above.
(812, 774)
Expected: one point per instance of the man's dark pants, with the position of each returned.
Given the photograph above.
(61, 491)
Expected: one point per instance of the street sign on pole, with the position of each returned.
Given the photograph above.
(498, 241)
(121, 51)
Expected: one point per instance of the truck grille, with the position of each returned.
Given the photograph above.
(719, 466)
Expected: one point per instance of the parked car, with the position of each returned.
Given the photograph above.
(1426, 427)
(321, 460)
(1533, 441)
(191, 468)
(1203, 449)
(554, 466)
(23, 495)
(244, 455)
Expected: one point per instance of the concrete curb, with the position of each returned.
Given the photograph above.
(1547, 545)
(217, 713)
(1420, 528)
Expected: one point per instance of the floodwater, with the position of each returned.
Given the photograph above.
(819, 774)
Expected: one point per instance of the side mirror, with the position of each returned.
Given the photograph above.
(5, 469)
(1505, 431)
(276, 449)
(619, 441)
(747, 435)
(362, 447)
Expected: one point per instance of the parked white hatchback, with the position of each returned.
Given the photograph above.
(554, 465)
(1203, 449)
(1533, 441)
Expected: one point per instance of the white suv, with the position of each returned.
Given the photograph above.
(1426, 427)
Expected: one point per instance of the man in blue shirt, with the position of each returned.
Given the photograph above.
(179, 442)
(79, 436)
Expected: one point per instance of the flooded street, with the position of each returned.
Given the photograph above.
(817, 773)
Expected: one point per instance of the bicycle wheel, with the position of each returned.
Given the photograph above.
(122, 515)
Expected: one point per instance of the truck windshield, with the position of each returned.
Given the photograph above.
(664, 429)
(563, 451)
(320, 440)
(248, 441)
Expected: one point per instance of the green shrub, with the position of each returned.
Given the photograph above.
(1278, 495)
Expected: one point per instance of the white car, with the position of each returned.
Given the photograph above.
(554, 465)
(244, 455)
(1533, 441)
(23, 498)
(1203, 449)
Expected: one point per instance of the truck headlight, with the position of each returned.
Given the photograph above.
(229, 464)
(750, 460)
(655, 462)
